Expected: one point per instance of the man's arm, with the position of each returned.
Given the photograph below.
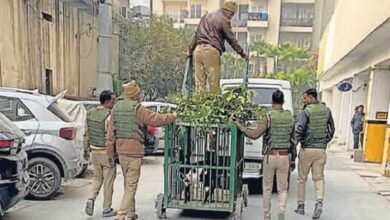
(331, 129)
(293, 145)
(110, 139)
(301, 126)
(257, 132)
(231, 38)
(155, 119)
(86, 145)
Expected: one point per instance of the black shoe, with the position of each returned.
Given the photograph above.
(300, 209)
(317, 211)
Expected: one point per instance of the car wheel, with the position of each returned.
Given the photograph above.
(45, 178)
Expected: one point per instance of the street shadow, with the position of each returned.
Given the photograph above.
(255, 186)
(203, 214)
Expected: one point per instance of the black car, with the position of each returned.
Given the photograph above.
(14, 178)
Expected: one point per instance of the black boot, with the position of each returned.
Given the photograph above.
(317, 211)
(300, 209)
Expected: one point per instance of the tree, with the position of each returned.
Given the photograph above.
(232, 65)
(288, 54)
(153, 55)
(300, 80)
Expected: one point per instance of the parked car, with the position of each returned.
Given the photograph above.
(14, 179)
(159, 107)
(50, 138)
(77, 113)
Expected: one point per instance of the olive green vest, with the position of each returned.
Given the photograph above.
(124, 115)
(278, 135)
(96, 122)
(317, 127)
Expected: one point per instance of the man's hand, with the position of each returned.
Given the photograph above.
(292, 167)
(188, 54)
(246, 57)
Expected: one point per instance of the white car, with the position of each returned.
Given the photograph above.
(262, 89)
(50, 145)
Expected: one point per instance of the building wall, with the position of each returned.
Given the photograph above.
(360, 19)
(67, 46)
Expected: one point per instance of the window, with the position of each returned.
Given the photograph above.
(14, 109)
(293, 15)
(164, 109)
(196, 11)
(49, 81)
(262, 96)
(57, 111)
(152, 108)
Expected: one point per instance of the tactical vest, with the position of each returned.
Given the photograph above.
(124, 115)
(317, 128)
(96, 122)
(279, 132)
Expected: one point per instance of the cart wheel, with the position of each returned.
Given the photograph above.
(245, 194)
(160, 210)
(239, 208)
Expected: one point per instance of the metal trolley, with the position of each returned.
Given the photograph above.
(203, 169)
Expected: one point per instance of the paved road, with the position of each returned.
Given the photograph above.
(348, 196)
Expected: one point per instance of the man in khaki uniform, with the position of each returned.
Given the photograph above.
(314, 130)
(209, 43)
(279, 149)
(94, 142)
(125, 126)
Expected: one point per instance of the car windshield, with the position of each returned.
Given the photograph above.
(56, 110)
(262, 96)
(6, 126)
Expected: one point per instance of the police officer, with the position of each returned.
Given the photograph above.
(279, 148)
(94, 142)
(208, 45)
(125, 127)
(314, 130)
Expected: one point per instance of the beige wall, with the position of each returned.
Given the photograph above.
(357, 18)
(68, 46)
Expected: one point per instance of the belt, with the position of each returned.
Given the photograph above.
(278, 152)
(204, 45)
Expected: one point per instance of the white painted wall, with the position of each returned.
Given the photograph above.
(379, 94)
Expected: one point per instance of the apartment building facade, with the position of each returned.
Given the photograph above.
(276, 21)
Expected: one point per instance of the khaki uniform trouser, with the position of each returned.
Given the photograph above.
(104, 174)
(207, 62)
(314, 160)
(279, 164)
(131, 168)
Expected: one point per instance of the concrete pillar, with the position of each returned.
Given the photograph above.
(105, 47)
(336, 109)
(343, 125)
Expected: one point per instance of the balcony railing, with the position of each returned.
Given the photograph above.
(235, 22)
(297, 22)
(257, 16)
